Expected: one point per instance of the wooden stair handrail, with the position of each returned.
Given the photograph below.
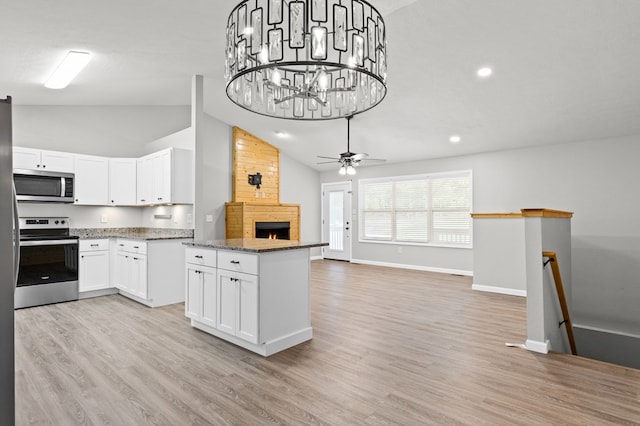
(555, 268)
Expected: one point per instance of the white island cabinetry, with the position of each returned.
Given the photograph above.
(261, 300)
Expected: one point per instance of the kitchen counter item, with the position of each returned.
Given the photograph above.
(255, 245)
(143, 234)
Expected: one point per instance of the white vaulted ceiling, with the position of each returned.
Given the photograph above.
(564, 70)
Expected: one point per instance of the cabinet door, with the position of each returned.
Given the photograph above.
(161, 165)
(138, 275)
(144, 181)
(122, 181)
(193, 293)
(93, 271)
(57, 161)
(247, 322)
(227, 302)
(26, 158)
(92, 180)
(122, 271)
(209, 296)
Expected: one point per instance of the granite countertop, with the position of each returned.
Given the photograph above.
(254, 245)
(145, 234)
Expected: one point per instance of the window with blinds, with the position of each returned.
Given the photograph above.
(431, 209)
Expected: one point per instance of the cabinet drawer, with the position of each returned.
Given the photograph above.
(94, 245)
(240, 262)
(132, 246)
(201, 257)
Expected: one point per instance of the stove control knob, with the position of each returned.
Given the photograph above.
(62, 222)
(56, 222)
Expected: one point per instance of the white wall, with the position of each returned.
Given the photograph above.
(300, 184)
(106, 131)
(594, 179)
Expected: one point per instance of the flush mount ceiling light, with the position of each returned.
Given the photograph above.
(484, 72)
(455, 139)
(306, 60)
(68, 69)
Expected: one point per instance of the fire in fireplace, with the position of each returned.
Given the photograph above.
(273, 230)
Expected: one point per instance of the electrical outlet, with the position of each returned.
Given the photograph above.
(264, 194)
(189, 218)
(103, 218)
(400, 249)
(208, 218)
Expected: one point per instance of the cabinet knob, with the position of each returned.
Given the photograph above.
(44, 166)
(38, 165)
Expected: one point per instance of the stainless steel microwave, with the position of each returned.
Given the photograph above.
(43, 186)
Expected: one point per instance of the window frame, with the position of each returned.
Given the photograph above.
(430, 210)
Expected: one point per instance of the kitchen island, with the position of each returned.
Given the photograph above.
(254, 293)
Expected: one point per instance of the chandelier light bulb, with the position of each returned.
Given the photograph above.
(323, 81)
(351, 170)
(264, 55)
(342, 171)
(276, 77)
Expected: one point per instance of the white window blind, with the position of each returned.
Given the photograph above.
(426, 209)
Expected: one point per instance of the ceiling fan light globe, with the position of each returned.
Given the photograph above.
(342, 171)
(351, 170)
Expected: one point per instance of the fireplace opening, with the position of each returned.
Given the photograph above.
(273, 230)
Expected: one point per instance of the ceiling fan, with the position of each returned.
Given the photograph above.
(349, 160)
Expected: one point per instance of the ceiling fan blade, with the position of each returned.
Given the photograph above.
(329, 162)
(329, 158)
(358, 157)
(374, 159)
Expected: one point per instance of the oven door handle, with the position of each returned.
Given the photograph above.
(47, 243)
(16, 239)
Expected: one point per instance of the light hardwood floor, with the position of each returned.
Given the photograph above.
(390, 346)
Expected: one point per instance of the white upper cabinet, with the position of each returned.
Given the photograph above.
(92, 180)
(166, 177)
(122, 181)
(38, 159)
(144, 180)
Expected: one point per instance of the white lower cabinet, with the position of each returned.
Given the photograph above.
(150, 272)
(238, 304)
(259, 301)
(201, 297)
(132, 273)
(93, 268)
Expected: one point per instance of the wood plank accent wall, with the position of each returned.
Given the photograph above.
(241, 218)
(251, 155)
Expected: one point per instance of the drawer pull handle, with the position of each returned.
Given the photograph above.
(198, 257)
(234, 280)
(235, 262)
(95, 245)
(136, 247)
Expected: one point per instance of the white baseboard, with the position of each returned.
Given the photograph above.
(499, 290)
(414, 267)
(316, 258)
(536, 346)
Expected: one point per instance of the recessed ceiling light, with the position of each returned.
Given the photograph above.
(455, 139)
(68, 69)
(484, 72)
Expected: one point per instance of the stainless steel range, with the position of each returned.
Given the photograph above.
(48, 270)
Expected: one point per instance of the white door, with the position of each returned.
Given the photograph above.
(336, 220)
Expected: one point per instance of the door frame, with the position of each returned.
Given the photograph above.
(323, 187)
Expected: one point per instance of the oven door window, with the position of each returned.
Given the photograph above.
(47, 262)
